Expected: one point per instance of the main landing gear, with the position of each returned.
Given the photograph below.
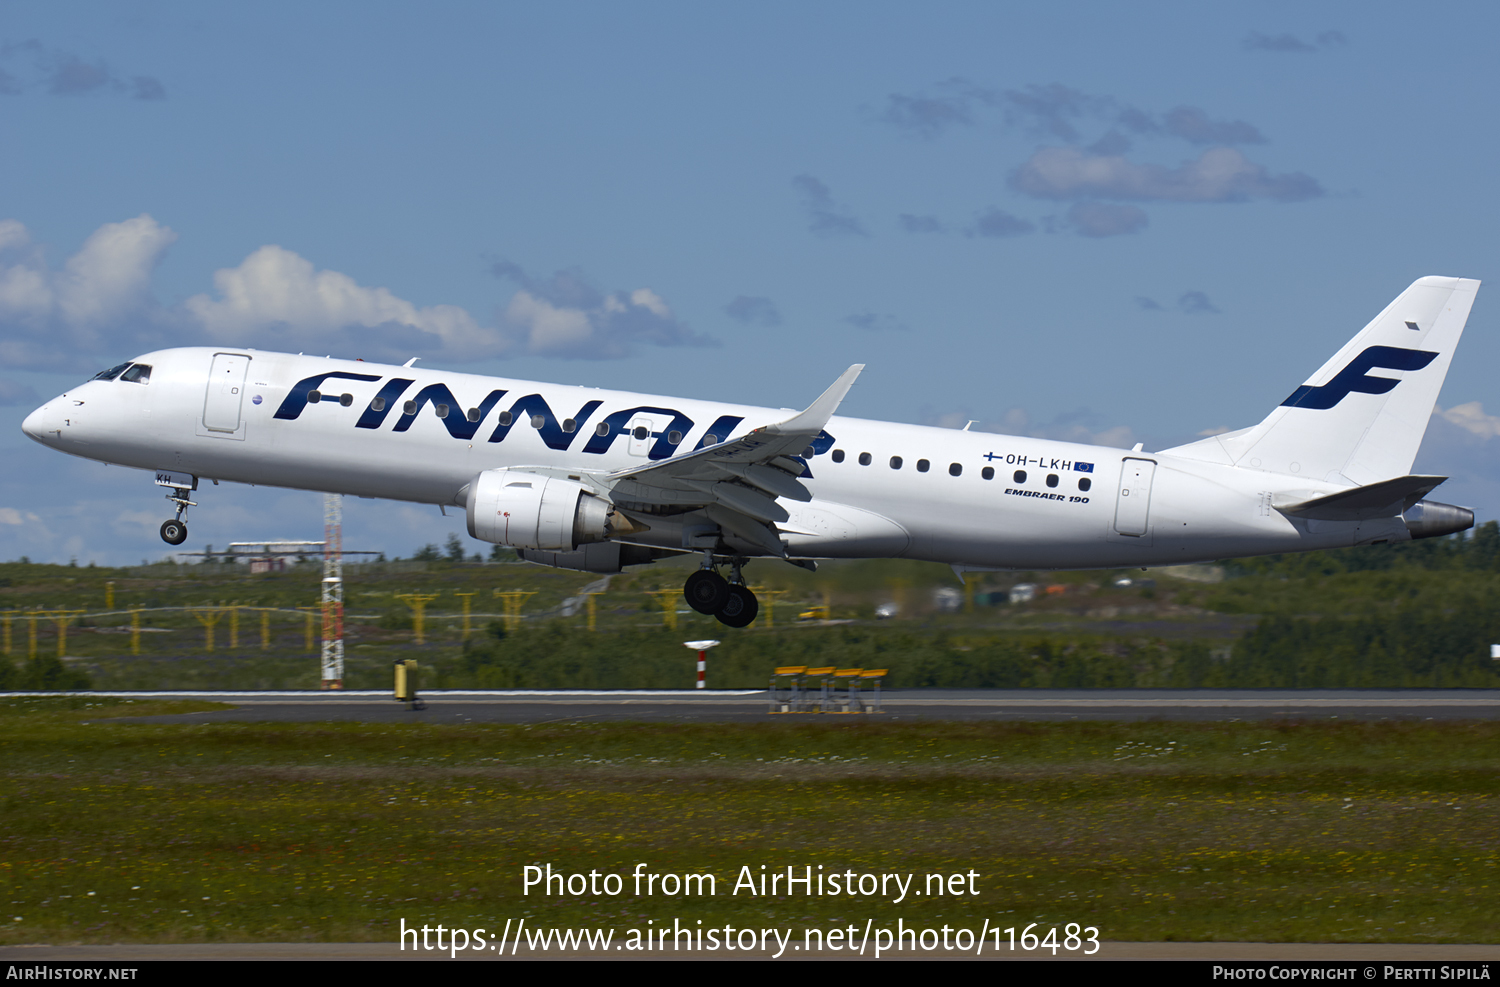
(729, 600)
(174, 532)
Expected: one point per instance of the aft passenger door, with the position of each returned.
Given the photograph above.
(1133, 503)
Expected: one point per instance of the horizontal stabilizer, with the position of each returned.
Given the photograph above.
(1388, 498)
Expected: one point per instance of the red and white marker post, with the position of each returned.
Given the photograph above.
(702, 648)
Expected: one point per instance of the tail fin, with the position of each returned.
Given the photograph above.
(1347, 424)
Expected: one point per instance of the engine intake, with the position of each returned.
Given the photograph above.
(527, 510)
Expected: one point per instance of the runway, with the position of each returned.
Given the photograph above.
(749, 706)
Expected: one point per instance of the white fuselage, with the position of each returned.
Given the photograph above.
(984, 500)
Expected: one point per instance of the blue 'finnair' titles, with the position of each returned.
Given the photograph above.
(557, 433)
(598, 480)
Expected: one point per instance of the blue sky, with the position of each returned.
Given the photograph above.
(1098, 222)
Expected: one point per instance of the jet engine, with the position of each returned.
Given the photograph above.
(1429, 519)
(527, 510)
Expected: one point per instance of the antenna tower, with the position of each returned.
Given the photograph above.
(333, 591)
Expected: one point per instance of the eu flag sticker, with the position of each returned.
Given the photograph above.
(1083, 467)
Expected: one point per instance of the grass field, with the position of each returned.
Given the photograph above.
(120, 831)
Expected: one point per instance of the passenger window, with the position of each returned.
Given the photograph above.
(441, 410)
(864, 459)
(988, 472)
(537, 421)
(111, 373)
(923, 466)
(472, 416)
(674, 437)
(1085, 483)
(1051, 479)
(641, 432)
(346, 399)
(139, 373)
(378, 404)
(895, 462)
(315, 396)
(1019, 476)
(569, 425)
(710, 439)
(838, 455)
(601, 429)
(505, 417)
(955, 469)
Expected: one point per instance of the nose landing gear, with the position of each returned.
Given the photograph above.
(729, 600)
(174, 532)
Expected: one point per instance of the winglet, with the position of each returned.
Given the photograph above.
(817, 414)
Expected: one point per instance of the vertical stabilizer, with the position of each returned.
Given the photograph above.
(1361, 417)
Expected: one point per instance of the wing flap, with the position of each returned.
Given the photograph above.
(771, 479)
(745, 500)
(751, 530)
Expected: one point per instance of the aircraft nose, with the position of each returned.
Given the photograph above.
(35, 424)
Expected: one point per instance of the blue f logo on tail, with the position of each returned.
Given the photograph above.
(1354, 377)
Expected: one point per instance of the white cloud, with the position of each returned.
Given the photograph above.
(112, 273)
(565, 316)
(1458, 444)
(1472, 419)
(99, 306)
(274, 290)
(1219, 174)
(101, 296)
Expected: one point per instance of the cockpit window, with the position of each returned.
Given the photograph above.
(111, 373)
(139, 373)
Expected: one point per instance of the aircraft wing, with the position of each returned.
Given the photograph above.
(736, 482)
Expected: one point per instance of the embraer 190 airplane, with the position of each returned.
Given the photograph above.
(595, 480)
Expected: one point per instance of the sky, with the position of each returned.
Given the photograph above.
(1096, 222)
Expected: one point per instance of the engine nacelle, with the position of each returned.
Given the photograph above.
(1429, 519)
(527, 510)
